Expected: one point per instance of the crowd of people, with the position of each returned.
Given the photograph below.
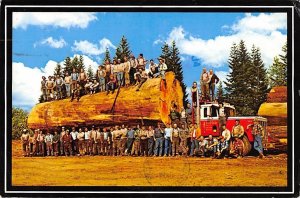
(108, 77)
(169, 140)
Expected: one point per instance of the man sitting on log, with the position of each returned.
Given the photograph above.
(76, 93)
(153, 69)
(94, 88)
(87, 86)
(143, 78)
(110, 86)
(162, 67)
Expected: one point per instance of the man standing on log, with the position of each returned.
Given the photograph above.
(55, 140)
(126, 71)
(58, 86)
(74, 79)
(159, 139)
(141, 62)
(25, 142)
(44, 88)
(101, 75)
(74, 135)
(62, 133)
(168, 136)
(107, 70)
(82, 78)
(175, 140)
(49, 141)
(204, 81)
(133, 65)
(162, 67)
(258, 133)
(68, 82)
(183, 136)
(49, 87)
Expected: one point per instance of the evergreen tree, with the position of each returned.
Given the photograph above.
(57, 70)
(123, 49)
(81, 63)
(75, 64)
(176, 66)
(90, 72)
(166, 54)
(258, 80)
(106, 56)
(220, 92)
(67, 66)
(278, 71)
(238, 86)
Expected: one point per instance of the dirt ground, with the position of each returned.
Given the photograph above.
(150, 171)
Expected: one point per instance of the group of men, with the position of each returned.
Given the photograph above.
(208, 81)
(172, 140)
(129, 71)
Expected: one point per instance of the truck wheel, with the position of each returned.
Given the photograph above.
(247, 146)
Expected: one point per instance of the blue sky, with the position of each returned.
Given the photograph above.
(40, 40)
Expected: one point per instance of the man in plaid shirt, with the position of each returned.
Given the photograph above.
(222, 148)
(258, 133)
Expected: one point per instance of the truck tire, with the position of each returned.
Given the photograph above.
(247, 146)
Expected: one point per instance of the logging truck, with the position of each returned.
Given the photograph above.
(208, 118)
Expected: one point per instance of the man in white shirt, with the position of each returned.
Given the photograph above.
(168, 136)
(74, 144)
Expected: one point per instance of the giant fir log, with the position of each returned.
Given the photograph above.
(149, 105)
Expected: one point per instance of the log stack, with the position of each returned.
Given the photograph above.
(149, 105)
(275, 110)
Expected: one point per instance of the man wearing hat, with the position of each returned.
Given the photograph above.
(101, 75)
(41, 143)
(58, 86)
(49, 87)
(222, 148)
(141, 62)
(44, 88)
(258, 133)
(237, 130)
(49, 141)
(67, 140)
(25, 142)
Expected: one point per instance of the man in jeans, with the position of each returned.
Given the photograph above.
(159, 139)
(204, 81)
(212, 84)
(130, 139)
(150, 137)
(195, 135)
(175, 140)
(258, 132)
(168, 136)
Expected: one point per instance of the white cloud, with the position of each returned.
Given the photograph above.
(252, 29)
(54, 43)
(26, 80)
(56, 19)
(89, 48)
